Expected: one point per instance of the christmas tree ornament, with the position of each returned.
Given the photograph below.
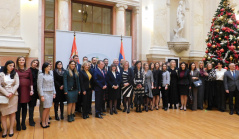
(209, 45)
(220, 18)
(230, 21)
(222, 50)
(213, 46)
(205, 56)
(238, 38)
(209, 58)
(221, 33)
(231, 58)
(206, 39)
(233, 9)
(219, 39)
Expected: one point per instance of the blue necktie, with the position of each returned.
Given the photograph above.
(234, 75)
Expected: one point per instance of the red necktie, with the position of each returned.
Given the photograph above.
(102, 73)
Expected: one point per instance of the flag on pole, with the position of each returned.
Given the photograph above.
(74, 49)
(121, 54)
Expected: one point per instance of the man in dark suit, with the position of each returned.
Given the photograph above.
(106, 69)
(100, 86)
(119, 69)
(93, 63)
(231, 84)
(78, 67)
(76, 59)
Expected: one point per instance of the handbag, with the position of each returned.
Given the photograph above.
(4, 100)
(190, 97)
(197, 83)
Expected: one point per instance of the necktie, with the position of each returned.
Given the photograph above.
(234, 76)
(102, 73)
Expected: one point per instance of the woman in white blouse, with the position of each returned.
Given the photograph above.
(220, 95)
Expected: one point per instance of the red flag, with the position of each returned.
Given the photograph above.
(74, 49)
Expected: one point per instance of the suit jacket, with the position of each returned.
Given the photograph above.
(186, 79)
(78, 67)
(195, 74)
(99, 80)
(230, 83)
(95, 67)
(106, 69)
(111, 80)
(85, 82)
(69, 81)
(120, 68)
(130, 77)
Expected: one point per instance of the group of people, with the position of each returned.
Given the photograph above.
(140, 85)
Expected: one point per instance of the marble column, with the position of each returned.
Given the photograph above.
(63, 15)
(136, 33)
(120, 18)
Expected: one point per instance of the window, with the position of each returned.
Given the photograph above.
(91, 18)
(49, 30)
(128, 24)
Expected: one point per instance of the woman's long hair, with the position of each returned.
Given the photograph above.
(190, 66)
(34, 61)
(17, 64)
(13, 72)
(70, 71)
(44, 65)
(151, 65)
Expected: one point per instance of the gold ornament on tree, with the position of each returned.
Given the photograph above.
(230, 21)
(231, 58)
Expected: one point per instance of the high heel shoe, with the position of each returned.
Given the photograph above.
(185, 109)
(4, 136)
(11, 135)
(128, 110)
(181, 108)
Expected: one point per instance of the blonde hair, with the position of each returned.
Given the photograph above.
(84, 64)
(125, 63)
(200, 62)
(70, 71)
(171, 61)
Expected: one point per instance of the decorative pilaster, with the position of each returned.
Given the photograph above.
(120, 18)
(136, 32)
(63, 15)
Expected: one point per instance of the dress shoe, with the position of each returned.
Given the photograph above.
(170, 107)
(57, 118)
(231, 112)
(132, 106)
(102, 114)
(47, 126)
(84, 117)
(24, 127)
(209, 108)
(69, 118)
(128, 110)
(11, 135)
(146, 108)
(115, 111)
(119, 108)
(50, 118)
(99, 116)
(62, 117)
(222, 110)
(124, 110)
(18, 127)
(72, 117)
(4, 136)
(0, 127)
(31, 123)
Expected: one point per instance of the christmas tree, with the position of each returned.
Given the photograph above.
(223, 38)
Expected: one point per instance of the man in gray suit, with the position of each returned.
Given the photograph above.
(231, 83)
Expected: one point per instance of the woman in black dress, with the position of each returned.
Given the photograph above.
(139, 91)
(201, 89)
(210, 83)
(184, 84)
(114, 81)
(157, 85)
(86, 87)
(60, 97)
(173, 88)
(34, 97)
(127, 80)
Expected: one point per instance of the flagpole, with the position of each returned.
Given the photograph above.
(121, 38)
(74, 33)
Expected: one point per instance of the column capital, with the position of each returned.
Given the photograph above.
(136, 10)
(121, 7)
